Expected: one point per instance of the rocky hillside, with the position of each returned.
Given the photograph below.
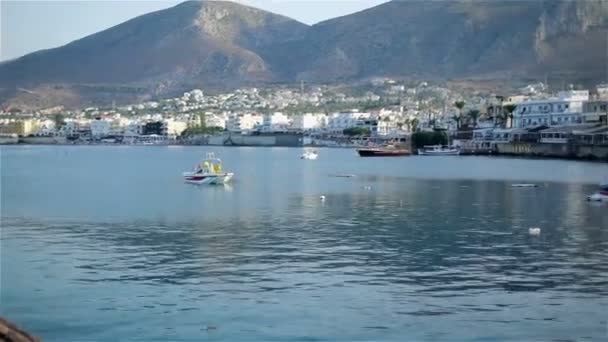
(223, 44)
(467, 38)
(202, 44)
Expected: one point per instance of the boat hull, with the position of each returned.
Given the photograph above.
(211, 179)
(309, 156)
(382, 153)
(601, 196)
(438, 153)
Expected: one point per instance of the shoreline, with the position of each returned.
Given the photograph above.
(465, 154)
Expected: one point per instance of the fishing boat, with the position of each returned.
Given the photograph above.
(209, 171)
(386, 151)
(601, 195)
(309, 155)
(438, 150)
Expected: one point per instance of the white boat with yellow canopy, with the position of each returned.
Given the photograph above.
(209, 171)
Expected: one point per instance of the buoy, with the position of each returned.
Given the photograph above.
(534, 231)
(322, 198)
(367, 187)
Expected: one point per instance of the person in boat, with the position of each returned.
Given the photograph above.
(205, 166)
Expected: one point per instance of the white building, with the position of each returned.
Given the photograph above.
(100, 128)
(243, 122)
(338, 122)
(174, 127)
(565, 109)
(387, 126)
(133, 129)
(309, 122)
(214, 120)
(275, 122)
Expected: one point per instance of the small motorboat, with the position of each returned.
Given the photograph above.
(342, 175)
(524, 185)
(309, 155)
(385, 151)
(209, 171)
(438, 150)
(601, 195)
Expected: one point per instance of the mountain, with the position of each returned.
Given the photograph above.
(204, 44)
(563, 39)
(215, 44)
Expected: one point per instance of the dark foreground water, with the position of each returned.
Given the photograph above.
(108, 244)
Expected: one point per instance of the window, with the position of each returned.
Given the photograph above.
(559, 120)
(567, 106)
(603, 107)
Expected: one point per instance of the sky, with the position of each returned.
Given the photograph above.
(27, 26)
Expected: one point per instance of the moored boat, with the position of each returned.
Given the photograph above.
(438, 150)
(387, 151)
(600, 196)
(209, 171)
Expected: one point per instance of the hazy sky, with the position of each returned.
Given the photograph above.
(27, 26)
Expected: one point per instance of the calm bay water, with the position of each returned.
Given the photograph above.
(107, 243)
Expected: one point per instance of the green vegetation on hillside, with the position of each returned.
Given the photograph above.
(357, 131)
(421, 139)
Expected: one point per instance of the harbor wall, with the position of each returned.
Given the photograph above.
(572, 151)
(9, 141)
(42, 140)
(261, 140)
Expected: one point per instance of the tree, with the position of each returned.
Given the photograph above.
(414, 124)
(509, 109)
(59, 121)
(202, 119)
(421, 139)
(474, 116)
(200, 130)
(357, 131)
(456, 119)
(460, 106)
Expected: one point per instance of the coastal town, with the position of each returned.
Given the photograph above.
(533, 120)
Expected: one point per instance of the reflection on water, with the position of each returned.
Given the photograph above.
(381, 258)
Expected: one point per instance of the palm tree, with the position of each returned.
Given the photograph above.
(474, 115)
(414, 124)
(456, 119)
(460, 106)
(510, 108)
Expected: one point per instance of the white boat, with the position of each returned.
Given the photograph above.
(601, 195)
(209, 171)
(309, 155)
(438, 150)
